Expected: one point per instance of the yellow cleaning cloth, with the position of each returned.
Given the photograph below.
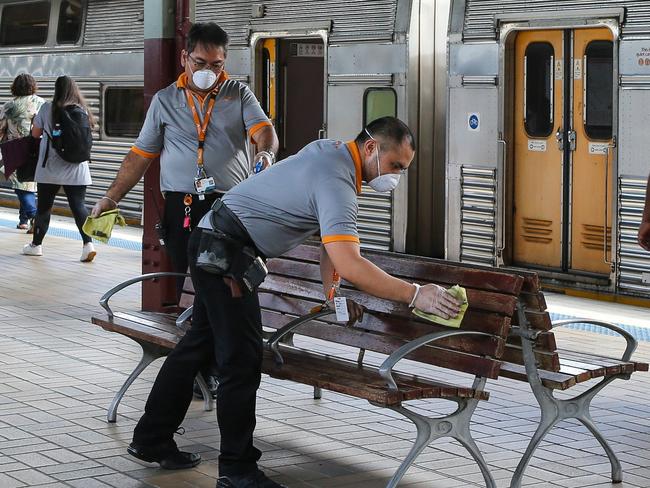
(458, 292)
(100, 228)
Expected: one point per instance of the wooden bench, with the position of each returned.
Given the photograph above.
(388, 334)
(532, 356)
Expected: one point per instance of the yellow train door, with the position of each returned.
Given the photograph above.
(537, 212)
(591, 182)
(562, 150)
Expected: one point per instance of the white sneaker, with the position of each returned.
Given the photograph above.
(33, 250)
(88, 253)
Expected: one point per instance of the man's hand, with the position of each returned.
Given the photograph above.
(436, 300)
(102, 205)
(265, 158)
(355, 311)
(644, 235)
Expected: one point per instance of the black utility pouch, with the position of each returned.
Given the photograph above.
(217, 251)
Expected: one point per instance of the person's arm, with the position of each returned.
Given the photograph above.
(351, 266)
(266, 140)
(644, 228)
(132, 169)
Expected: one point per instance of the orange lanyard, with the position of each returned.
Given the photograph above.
(201, 128)
(336, 283)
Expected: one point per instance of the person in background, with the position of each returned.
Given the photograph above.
(199, 126)
(53, 172)
(15, 122)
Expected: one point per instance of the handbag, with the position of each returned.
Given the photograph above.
(20, 155)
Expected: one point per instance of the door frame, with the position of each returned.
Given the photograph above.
(289, 32)
(508, 27)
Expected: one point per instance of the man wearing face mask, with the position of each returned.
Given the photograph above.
(261, 214)
(198, 127)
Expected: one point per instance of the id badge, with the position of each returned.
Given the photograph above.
(204, 185)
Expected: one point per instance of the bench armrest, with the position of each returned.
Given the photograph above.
(629, 338)
(273, 341)
(103, 301)
(386, 368)
(185, 315)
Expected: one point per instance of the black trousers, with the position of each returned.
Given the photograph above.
(225, 329)
(177, 237)
(76, 195)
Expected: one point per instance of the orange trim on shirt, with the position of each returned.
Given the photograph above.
(144, 154)
(356, 157)
(339, 238)
(257, 127)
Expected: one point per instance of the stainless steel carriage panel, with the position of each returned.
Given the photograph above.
(351, 21)
(634, 58)
(634, 126)
(470, 144)
(474, 59)
(118, 65)
(479, 14)
(114, 25)
(633, 271)
(368, 58)
(238, 62)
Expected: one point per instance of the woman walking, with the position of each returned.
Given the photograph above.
(15, 122)
(53, 172)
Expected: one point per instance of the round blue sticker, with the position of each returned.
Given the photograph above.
(473, 121)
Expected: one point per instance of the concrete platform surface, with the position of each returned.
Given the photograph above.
(58, 374)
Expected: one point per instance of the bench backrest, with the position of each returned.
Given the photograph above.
(293, 288)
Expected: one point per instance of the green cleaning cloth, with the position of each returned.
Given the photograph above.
(100, 228)
(456, 291)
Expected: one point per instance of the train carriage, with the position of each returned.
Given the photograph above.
(99, 43)
(547, 139)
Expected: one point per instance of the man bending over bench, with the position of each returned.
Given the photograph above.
(263, 217)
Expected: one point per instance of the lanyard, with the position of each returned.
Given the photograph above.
(201, 128)
(334, 289)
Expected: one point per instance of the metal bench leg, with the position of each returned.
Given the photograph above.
(617, 471)
(149, 354)
(546, 423)
(455, 425)
(318, 393)
(208, 401)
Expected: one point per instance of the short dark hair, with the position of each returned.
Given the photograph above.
(23, 85)
(391, 131)
(207, 34)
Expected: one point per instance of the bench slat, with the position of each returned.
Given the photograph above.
(347, 377)
(425, 269)
(135, 330)
(310, 273)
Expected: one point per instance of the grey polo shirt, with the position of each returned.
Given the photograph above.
(314, 190)
(169, 131)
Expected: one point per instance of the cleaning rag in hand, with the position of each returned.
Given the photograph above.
(456, 291)
(100, 228)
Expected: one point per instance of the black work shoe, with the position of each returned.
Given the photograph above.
(167, 458)
(212, 383)
(252, 480)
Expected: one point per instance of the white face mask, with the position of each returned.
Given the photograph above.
(204, 79)
(382, 183)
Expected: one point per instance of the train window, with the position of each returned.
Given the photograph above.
(538, 97)
(379, 102)
(25, 24)
(70, 17)
(123, 111)
(599, 89)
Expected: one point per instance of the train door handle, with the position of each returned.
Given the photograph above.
(559, 137)
(571, 136)
(321, 133)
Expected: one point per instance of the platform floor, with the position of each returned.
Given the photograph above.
(58, 373)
